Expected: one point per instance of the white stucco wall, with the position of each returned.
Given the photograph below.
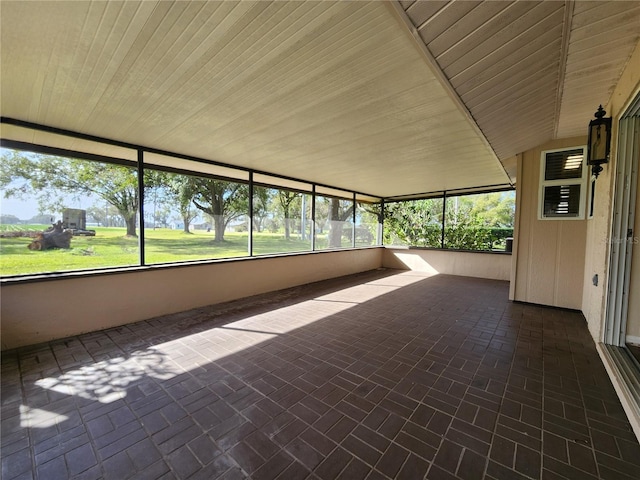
(467, 264)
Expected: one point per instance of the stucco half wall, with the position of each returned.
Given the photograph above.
(496, 266)
(34, 312)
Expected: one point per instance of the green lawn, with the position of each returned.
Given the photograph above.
(110, 248)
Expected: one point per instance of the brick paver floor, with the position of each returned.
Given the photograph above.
(380, 375)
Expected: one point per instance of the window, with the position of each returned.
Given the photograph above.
(416, 223)
(193, 211)
(97, 201)
(480, 222)
(368, 222)
(334, 220)
(475, 222)
(281, 220)
(563, 184)
(189, 217)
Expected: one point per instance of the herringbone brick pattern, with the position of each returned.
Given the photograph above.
(380, 375)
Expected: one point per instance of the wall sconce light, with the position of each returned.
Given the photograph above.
(599, 144)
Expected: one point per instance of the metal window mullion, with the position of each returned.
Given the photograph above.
(353, 227)
(250, 238)
(444, 215)
(313, 217)
(141, 251)
(380, 239)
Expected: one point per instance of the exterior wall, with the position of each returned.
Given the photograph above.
(549, 254)
(598, 249)
(47, 310)
(599, 228)
(468, 264)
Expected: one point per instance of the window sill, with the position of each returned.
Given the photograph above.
(404, 247)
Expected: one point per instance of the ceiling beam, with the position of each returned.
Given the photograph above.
(562, 66)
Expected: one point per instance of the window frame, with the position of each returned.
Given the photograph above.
(140, 165)
(583, 182)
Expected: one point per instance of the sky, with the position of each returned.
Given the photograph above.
(28, 208)
(21, 209)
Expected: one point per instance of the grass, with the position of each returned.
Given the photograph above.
(108, 248)
(111, 248)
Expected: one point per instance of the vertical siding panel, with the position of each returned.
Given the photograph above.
(550, 255)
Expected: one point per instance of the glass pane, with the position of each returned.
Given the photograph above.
(93, 204)
(415, 223)
(563, 165)
(281, 221)
(562, 201)
(194, 218)
(334, 222)
(479, 222)
(367, 224)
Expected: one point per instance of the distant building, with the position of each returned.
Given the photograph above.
(74, 218)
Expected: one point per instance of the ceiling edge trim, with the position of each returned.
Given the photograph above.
(431, 62)
(502, 187)
(562, 67)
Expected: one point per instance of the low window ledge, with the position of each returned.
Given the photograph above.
(437, 249)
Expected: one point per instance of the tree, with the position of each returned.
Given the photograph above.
(495, 209)
(286, 198)
(106, 215)
(472, 222)
(171, 190)
(414, 222)
(183, 190)
(338, 214)
(261, 199)
(52, 178)
(368, 220)
(9, 219)
(476, 222)
(223, 201)
(42, 219)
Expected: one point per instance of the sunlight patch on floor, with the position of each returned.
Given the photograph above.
(38, 418)
(108, 380)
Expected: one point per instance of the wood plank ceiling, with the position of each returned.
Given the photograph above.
(384, 98)
(529, 71)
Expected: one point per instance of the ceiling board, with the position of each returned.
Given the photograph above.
(385, 99)
(505, 61)
(330, 92)
(601, 42)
